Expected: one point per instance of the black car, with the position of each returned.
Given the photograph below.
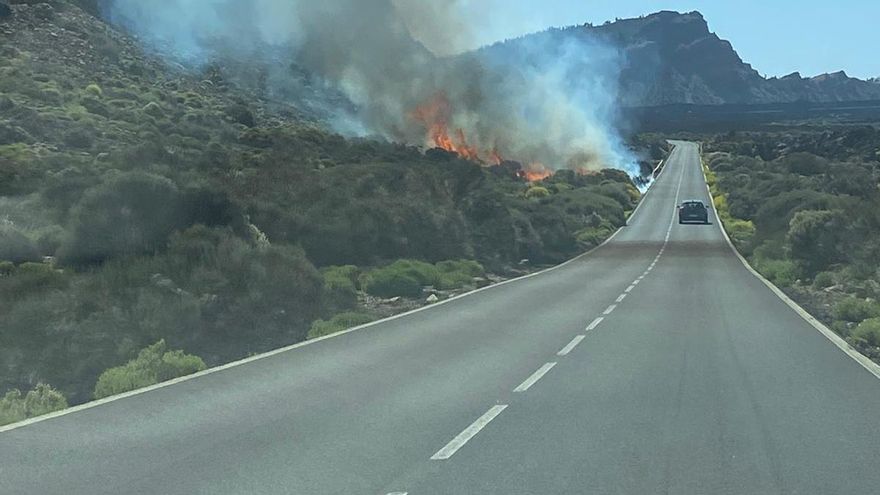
(693, 210)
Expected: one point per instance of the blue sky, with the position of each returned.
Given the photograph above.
(776, 36)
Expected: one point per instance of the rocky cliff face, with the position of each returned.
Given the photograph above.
(670, 57)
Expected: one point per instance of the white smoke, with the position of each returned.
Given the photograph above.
(548, 98)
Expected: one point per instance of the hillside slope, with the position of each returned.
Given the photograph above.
(141, 201)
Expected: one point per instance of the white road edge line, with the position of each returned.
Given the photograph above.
(571, 345)
(537, 375)
(609, 309)
(620, 298)
(468, 433)
(594, 323)
(857, 356)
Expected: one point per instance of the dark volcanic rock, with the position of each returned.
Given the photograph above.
(674, 58)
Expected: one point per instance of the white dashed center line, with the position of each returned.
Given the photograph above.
(535, 377)
(609, 309)
(469, 432)
(594, 324)
(620, 298)
(571, 345)
(630, 288)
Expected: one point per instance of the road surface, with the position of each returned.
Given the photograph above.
(655, 364)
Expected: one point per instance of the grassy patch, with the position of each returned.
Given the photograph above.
(456, 274)
(338, 323)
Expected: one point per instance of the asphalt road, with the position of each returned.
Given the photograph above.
(696, 380)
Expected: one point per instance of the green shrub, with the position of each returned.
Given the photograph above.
(868, 332)
(856, 310)
(241, 114)
(153, 110)
(6, 268)
(401, 278)
(815, 237)
(153, 364)
(469, 267)
(537, 192)
(455, 280)
(455, 274)
(783, 273)
(264, 297)
(619, 192)
(592, 236)
(129, 214)
(94, 90)
(338, 323)
(95, 106)
(12, 407)
(741, 231)
(41, 270)
(43, 399)
(82, 137)
(345, 275)
(340, 286)
(388, 283)
(841, 328)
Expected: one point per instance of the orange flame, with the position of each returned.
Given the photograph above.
(535, 171)
(495, 157)
(435, 115)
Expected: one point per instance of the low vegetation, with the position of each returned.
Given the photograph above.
(141, 203)
(338, 323)
(152, 365)
(804, 207)
(43, 399)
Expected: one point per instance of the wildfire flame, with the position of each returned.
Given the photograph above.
(435, 115)
(495, 157)
(535, 172)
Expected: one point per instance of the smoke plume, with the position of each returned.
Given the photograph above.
(548, 98)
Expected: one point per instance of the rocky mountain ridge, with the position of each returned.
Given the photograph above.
(670, 58)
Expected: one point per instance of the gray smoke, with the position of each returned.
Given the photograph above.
(548, 98)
